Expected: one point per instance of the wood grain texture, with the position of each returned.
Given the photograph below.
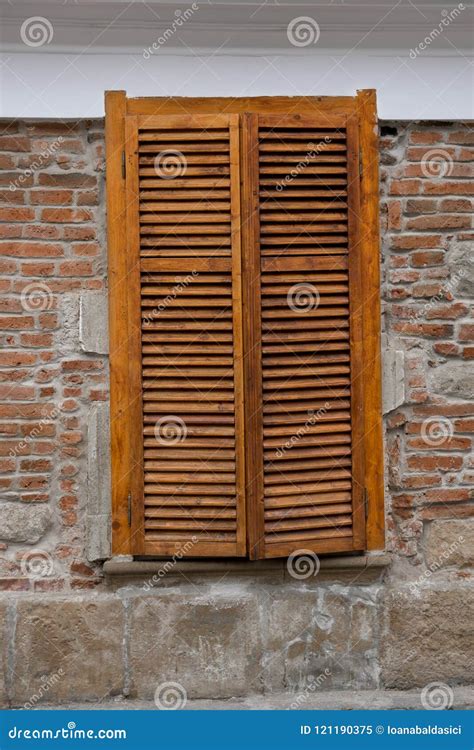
(301, 235)
(134, 351)
(115, 109)
(252, 337)
(368, 135)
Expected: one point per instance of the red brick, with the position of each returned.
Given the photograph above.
(418, 481)
(70, 180)
(31, 249)
(448, 495)
(16, 322)
(428, 290)
(76, 268)
(405, 187)
(51, 197)
(427, 258)
(439, 222)
(446, 349)
(37, 269)
(466, 332)
(41, 232)
(17, 214)
(87, 198)
(421, 206)
(456, 205)
(431, 463)
(468, 352)
(14, 143)
(465, 137)
(36, 339)
(446, 312)
(85, 233)
(454, 444)
(15, 180)
(394, 214)
(425, 329)
(444, 187)
(11, 231)
(445, 410)
(65, 215)
(426, 171)
(416, 241)
(86, 249)
(426, 136)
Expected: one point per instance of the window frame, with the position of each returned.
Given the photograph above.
(124, 346)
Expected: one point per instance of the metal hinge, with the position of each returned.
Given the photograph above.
(129, 508)
(366, 503)
(124, 170)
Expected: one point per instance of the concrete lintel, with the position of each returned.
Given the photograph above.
(128, 567)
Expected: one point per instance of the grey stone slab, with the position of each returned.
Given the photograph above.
(207, 643)
(23, 523)
(428, 636)
(93, 322)
(68, 650)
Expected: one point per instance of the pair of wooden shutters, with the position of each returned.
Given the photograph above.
(244, 334)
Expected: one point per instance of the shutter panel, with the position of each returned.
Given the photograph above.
(183, 223)
(302, 277)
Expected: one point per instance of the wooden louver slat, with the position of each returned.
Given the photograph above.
(302, 278)
(183, 193)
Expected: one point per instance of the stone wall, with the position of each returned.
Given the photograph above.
(70, 633)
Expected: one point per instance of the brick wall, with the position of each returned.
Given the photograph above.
(427, 180)
(405, 627)
(52, 252)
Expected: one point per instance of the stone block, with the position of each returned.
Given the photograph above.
(449, 544)
(68, 650)
(3, 653)
(93, 322)
(68, 334)
(454, 379)
(98, 542)
(319, 637)
(23, 523)
(98, 483)
(393, 377)
(428, 637)
(208, 643)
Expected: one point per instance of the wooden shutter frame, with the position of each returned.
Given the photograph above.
(125, 458)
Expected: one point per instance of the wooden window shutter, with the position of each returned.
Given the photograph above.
(303, 280)
(244, 326)
(183, 223)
